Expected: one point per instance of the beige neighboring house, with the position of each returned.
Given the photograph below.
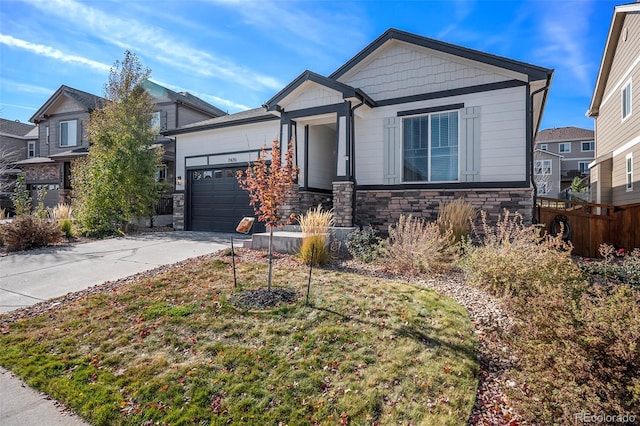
(616, 169)
(62, 123)
(573, 148)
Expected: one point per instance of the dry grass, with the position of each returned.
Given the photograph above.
(314, 225)
(316, 221)
(415, 245)
(456, 215)
(172, 350)
(61, 211)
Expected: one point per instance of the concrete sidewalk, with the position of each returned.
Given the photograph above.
(33, 276)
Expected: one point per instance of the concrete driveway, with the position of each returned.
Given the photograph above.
(33, 276)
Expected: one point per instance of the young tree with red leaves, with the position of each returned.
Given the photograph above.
(267, 184)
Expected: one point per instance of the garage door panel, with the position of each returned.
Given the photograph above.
(216, 201)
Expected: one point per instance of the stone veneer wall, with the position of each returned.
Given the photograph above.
(343, 203)
(41, 173)
(310, 199)
(381, 208)
(178, 211)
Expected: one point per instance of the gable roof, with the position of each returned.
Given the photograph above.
(549, 153)
(186, 98)
(564, 134)
(346, 90)
(534, 72)
(86, 100)
(615, 30)
(15, 128)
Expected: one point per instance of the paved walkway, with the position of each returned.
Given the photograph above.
(30, 277)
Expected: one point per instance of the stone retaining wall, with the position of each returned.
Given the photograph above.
(380, 208)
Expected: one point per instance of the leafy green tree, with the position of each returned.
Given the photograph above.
(116, 183)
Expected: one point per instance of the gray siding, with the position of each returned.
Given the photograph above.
(613, 132)
(401, 69)
(188, 115)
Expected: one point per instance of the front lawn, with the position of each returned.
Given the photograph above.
(171, 349)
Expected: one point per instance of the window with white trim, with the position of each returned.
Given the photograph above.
(31, 149)
(583, 166)
(629, 171)
(542, 167)
(626, 100)
(68, 135)
(588, 146)
(431, 147)
(544, 147)
(564, 147)
(543, 188)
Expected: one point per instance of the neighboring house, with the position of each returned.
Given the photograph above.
(615, 172)
(575, 147)
(406, 123)
(546, 173)
(17, 142)
(63, 121)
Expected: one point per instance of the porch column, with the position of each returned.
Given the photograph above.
(292, 201)
(178, 211)
(343, 203)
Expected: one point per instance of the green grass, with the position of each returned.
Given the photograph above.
(172, 350)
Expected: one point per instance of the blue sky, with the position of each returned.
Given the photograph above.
(236, 54)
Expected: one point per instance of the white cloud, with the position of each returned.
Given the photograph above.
(302, 26)
(154, 42)
(564, 30)
(18, 106)
(50, 52)
(17, 87)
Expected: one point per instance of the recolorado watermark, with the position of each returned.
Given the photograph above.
(600, 418)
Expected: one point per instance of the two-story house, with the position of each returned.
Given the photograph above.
(615, 172)
(17, 142)
(562, 154)
(62, 123)
(406, 123)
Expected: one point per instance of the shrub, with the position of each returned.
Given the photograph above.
(456, 215)
(617, 266)
(417, 246)
(21, 198)
(514, 259)
(579, 352)
(27, 232)
(66, 227)
(364, 244)
(314, 225)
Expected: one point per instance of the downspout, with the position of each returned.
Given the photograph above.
(534, 132)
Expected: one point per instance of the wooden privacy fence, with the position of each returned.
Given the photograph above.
(587, 225)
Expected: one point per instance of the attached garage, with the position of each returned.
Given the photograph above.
(216, 203)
